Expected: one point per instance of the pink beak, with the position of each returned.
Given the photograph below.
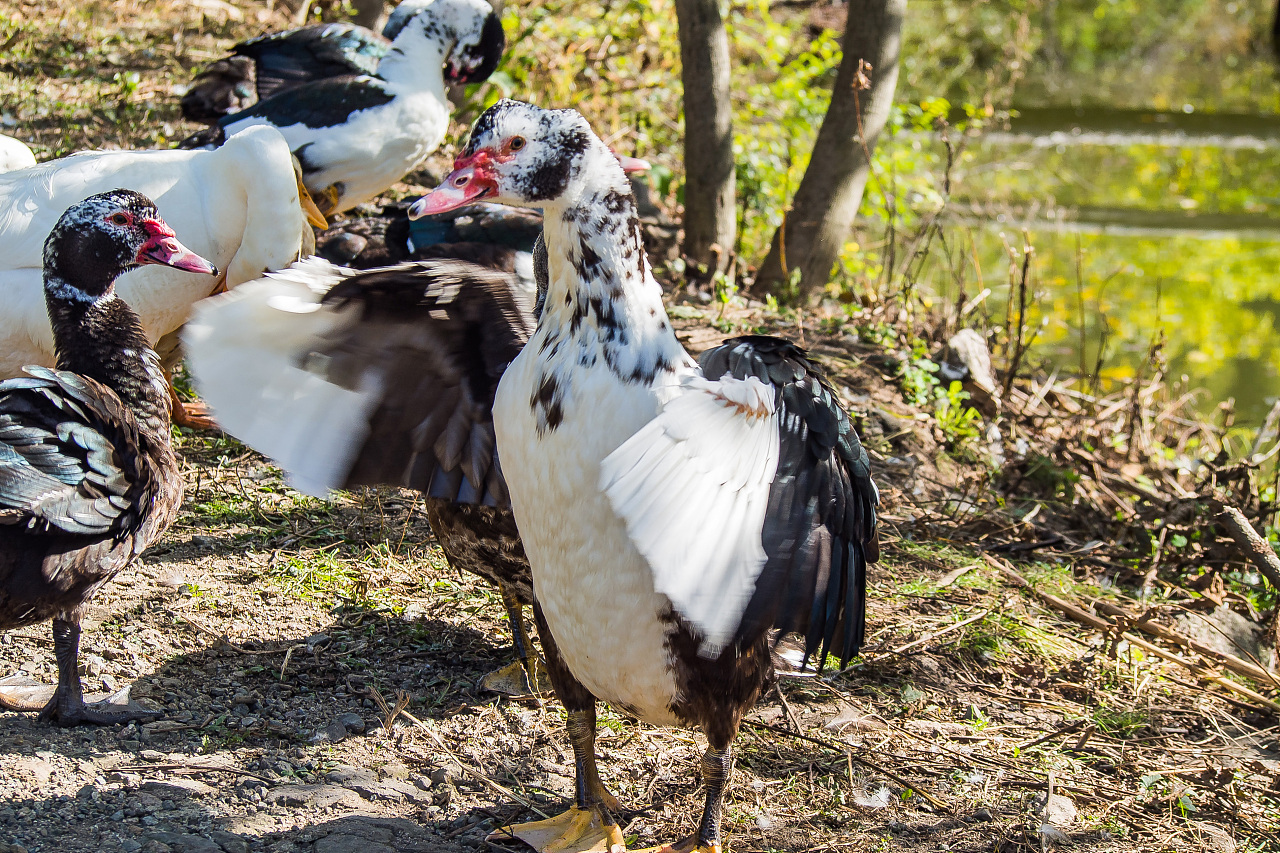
(632, 164)
(163, 248)
(462, 187)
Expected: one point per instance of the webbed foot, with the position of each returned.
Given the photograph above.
(514, 680)
(113, 710)
(19, 693)
(576, 831)
(192, 414)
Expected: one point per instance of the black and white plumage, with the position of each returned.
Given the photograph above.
(260, 67)
(357, 134)
(663, 506)
(88, 478)
(384, 377)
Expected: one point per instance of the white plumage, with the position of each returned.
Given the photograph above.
(14, 154)
(692, 486)
(607, 623)
(357, 136)
(238, 206)
(265, 330)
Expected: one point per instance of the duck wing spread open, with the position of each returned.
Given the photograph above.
(397, 371)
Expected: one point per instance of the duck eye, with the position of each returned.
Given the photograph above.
(119, 219)
(516, 143)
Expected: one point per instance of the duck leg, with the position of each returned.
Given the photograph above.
(67, 707)
(192, 415)
(716, 762)
(590, 824)
(522, 677)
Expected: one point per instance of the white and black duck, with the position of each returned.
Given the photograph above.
(674, 514)
(260, 67)
(350, 369)
(357, 134)
(390, 237)
(88, 477)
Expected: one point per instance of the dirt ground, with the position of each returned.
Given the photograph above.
(273, 630)
(278, 633)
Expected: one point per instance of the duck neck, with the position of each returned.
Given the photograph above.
(103, 340)
(601, 291)
(415, 60)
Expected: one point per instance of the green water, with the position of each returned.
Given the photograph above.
(1142, 160)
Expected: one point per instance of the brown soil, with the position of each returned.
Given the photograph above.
(274, 631)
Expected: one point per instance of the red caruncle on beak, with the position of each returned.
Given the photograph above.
(471, 180)
(162, 247)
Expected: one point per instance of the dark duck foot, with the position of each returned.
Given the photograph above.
(19, 693)
(108, 712)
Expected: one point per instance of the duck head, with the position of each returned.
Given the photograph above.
(526, 156)
(99, 239)
(470, 31)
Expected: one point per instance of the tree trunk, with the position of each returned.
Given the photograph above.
(821, 215)
(709, 216)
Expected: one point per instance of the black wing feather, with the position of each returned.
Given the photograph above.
(820, 528)
(320, 103)
(443, 332)
(68, 456)
(289, 59)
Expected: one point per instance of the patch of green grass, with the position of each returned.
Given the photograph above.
(324, 577)
(1120, 723)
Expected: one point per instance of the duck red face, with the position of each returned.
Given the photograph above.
(162, 247)
(517, 154)
(474, 178)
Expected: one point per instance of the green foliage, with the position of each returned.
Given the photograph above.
(918, 376)
(1120, 722)
(958, 422)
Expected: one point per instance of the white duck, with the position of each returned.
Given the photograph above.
(240, 206)
(14, 154)
(356, 135)
(673, 515)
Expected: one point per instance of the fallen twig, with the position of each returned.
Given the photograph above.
(469, 770)
(1059, 732)
(1084, 617)
(865, 762)
(1254, 547)
(927, 637)
(1231, 662)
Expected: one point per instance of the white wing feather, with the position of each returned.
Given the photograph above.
(692, 487)
(248, 351)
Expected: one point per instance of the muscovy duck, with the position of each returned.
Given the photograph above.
(673, 513)
(14, 154)
(356, 135)
(345, 362)
(242, 206)
(391, 237)
(88, 477)
(260, 67)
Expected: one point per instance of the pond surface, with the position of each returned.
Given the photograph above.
(1145, 171)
